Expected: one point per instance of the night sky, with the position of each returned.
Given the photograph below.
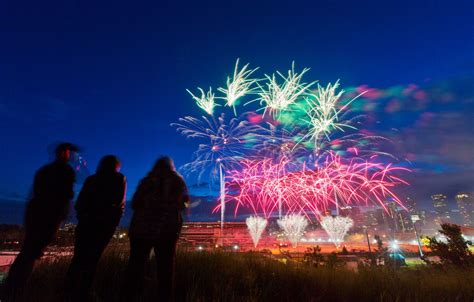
(111, 77)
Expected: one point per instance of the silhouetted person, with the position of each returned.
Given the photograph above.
(99, 207)
(53, 189)
(156, 223)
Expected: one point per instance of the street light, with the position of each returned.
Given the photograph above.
(394, 246)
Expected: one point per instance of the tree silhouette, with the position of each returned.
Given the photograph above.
(455, 250)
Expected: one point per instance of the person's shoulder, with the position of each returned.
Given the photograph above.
(120, 177)
(45, 168)
(91, 178)
(178, 177)
(146, 180)
(51, 167)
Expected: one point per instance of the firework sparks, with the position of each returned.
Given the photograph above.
(259, 186)
(265, 185)
(336, 227)
(293, 226)
(206, 101)
(224, 143)
(278, 97)
(239, 85)
(256, 225)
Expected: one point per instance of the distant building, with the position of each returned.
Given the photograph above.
(370, 219)
(465, 202)
(441, 209)
(355, 214)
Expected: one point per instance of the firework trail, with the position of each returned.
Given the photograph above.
(293, 226)
(256, 225)
(336, 228)
(239, 85)
(206, 101)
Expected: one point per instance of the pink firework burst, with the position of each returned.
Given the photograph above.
(266, 186)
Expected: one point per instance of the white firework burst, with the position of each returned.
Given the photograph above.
(322, 114)
(206, 101)
(239, 85)
(336, 227)
(277, 97)
(293, 226)
(256, 225)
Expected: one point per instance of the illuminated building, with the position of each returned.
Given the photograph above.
(441, 209)
(207, 235)
(465, 202)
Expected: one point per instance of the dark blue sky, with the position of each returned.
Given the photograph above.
(112, 76)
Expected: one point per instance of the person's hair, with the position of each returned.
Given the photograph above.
(108, 164)
(163, 166)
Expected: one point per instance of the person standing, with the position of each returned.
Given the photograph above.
(156, 223)
(53, 189)
(99, 207)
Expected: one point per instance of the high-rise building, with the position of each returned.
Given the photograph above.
(370, 219)
(465, 203)
(410, 204)
(441, 209)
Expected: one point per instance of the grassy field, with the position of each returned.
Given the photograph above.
(252, 277)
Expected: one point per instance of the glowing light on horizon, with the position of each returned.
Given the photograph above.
(336, 228)
(256, 225)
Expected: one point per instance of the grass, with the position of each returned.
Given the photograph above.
(223, 276)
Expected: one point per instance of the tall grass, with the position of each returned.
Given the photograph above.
(223, 276)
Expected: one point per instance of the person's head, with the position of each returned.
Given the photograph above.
(163, 166)
(109, 164)
(63, 151)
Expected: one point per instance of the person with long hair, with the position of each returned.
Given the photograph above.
(156, 223)
(99, 207)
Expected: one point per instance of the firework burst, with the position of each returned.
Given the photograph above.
(302, 156)
(293, 226)
(256, 225)
(206, 101)
(277, 97)
(224, 145)
(336, 227)
(239, 85)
